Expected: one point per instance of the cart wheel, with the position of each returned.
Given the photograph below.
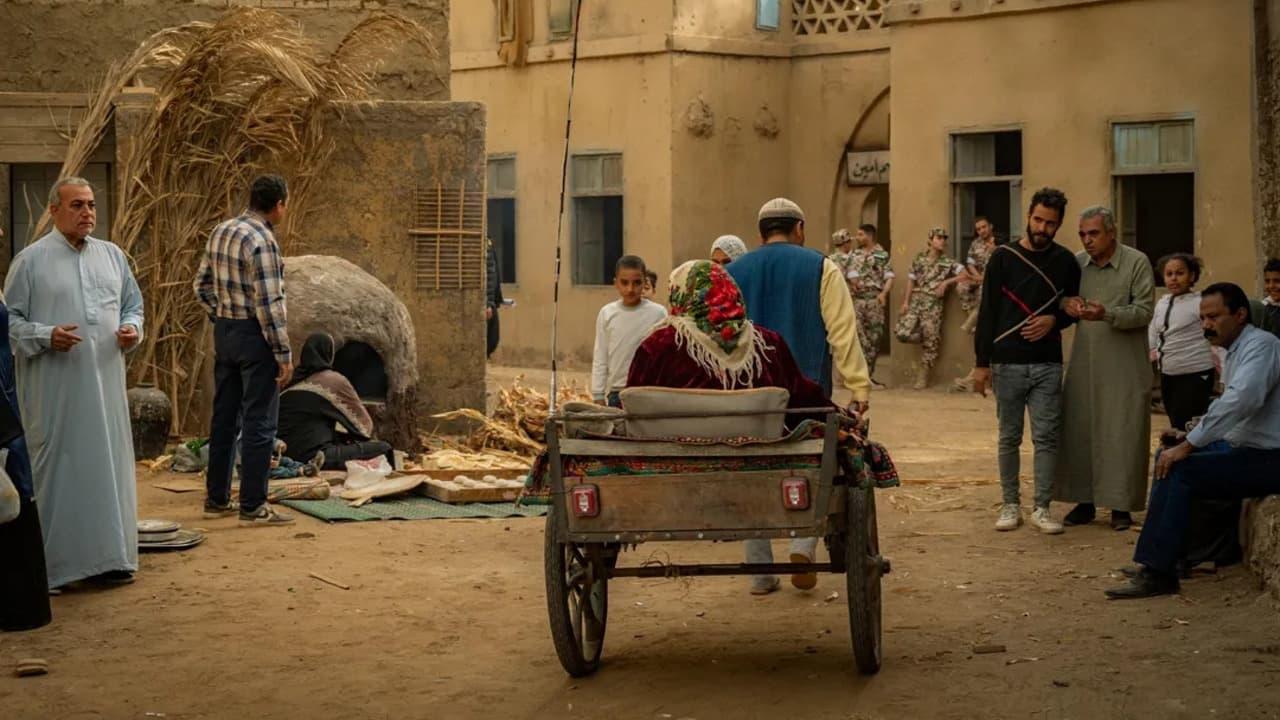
(863, 579)
(577, 602)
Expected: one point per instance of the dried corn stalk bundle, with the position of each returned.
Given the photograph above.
(518, 425)
(523, 407)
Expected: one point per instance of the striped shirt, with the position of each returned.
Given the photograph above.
(241, 277)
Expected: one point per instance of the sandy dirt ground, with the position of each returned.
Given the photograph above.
(446, 619)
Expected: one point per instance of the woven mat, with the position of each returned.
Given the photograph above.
(410, 507)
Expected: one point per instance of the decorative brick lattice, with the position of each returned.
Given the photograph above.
(833, 17)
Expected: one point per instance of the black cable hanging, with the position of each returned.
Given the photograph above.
(564, 178)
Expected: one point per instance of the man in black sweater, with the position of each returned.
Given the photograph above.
(1018, 344)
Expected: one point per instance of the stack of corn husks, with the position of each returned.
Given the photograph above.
(518, 424)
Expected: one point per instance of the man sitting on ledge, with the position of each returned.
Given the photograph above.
(1231, 454)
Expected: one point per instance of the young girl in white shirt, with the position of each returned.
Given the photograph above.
(1178, 345)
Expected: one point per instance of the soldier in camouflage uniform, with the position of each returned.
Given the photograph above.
(970, 288)
(933, 272)
(842, 255)
(870, 278)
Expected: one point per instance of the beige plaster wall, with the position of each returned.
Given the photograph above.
(59, 46)
(621, 104)
(363, 209)
(721, 179)
(829, 97)
(1062, 76)
(473, 24)
(734, 20)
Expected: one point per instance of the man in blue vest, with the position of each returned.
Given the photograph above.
(801, 295)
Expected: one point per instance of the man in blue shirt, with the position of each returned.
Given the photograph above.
(1231, 454)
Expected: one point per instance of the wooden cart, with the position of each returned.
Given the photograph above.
(594, 517)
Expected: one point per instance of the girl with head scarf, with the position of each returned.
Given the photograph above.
(317, 398)
(708, 343)
(726, 249)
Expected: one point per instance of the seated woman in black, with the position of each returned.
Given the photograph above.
(317, 402)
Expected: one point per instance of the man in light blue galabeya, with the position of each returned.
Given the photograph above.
(75, 310)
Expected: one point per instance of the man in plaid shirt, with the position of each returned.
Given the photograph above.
(241, 284)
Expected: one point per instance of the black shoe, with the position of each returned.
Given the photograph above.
(1185, 571)
(213, 511)
(1130, 572)
(1147, 583)
(1121, 520)
(1082, 514)
(113, 577)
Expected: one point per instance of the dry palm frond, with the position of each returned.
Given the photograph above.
(161, 50)
(233, 98)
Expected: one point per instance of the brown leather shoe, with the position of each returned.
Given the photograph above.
(803, 581)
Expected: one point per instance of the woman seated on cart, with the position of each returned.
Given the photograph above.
(707, 343)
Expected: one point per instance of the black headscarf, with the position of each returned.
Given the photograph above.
(317, 355)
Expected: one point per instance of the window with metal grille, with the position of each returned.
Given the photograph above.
(448, 238)
(1153, 167)
(597, 217)
(501, 213)
(560, 18)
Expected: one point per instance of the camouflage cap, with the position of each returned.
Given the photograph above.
(841, 236)
(780, 208)
(938, 232)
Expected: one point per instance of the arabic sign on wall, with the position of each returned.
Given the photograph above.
(869, 168)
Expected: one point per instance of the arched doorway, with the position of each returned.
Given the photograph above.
(857, 203)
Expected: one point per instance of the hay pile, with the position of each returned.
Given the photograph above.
(519, 422)
(234, 98)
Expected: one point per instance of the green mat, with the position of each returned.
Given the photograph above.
(409, 507)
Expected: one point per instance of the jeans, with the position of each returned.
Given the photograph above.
(1217, 471)
(1037, 389)
(614, 399)
(246, 401)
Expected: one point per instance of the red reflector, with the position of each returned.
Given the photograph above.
(795, 494)
(585, 500)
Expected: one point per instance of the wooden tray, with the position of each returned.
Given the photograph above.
(474, 473)
(449, 491)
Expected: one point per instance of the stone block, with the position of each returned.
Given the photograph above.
(1260, 530)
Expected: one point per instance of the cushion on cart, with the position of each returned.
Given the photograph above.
(656, 400)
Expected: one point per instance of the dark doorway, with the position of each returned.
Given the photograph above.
(991, 200)
(362, 365)
(1157, 214)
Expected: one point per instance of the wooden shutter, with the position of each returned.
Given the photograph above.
(448, 237)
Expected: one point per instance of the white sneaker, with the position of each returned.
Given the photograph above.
(1010, 517)
(1043, 520)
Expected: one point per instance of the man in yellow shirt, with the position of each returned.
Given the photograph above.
(801, 295)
